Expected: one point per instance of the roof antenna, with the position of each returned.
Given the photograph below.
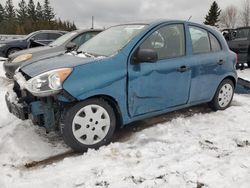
(189, 18)
(92, 27)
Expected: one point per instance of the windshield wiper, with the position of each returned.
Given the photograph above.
(85, 53)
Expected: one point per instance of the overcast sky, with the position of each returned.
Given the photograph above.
(110, 12)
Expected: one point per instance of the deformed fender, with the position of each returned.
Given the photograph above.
(107, 77)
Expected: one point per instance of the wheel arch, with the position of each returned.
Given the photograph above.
(7, 51)
(114, 104)
(232, 79)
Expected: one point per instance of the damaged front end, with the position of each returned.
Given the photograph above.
(40, 98)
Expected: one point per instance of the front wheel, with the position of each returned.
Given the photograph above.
(12, 51)
(89, 124)
(223, 96)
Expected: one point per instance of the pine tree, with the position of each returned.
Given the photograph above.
(73, 26)
(31, 10)
(22, 12)
(48, 11)
(9, 10)
(2, 13)
(212, 18)
(28, 18)
(39, 12)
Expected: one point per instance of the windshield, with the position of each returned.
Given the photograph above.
(62, 39)
(30, 35)
(111, 40)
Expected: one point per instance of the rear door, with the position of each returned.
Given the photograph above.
(165, 83)
(207, 64)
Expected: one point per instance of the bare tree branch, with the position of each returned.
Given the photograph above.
(228, 17)
(245, 12)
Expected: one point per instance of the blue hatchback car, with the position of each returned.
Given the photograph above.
(126, 73)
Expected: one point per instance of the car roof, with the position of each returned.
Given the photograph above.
(243, 28)
(159, 21)
(50, 31)
(87, 30)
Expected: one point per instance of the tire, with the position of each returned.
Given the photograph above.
(223, 96)
(12, 50)
(88, 124)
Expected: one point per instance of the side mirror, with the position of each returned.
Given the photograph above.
(146, 55)
(70, 46)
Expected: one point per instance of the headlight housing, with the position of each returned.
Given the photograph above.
(21, 58)
(48, 83)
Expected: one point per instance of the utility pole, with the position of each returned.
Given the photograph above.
(92, 22)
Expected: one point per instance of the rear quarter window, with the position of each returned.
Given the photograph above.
(215, 44)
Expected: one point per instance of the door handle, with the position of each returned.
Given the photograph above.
(220, 62)
(183, 68)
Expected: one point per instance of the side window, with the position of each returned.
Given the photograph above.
(242, 33)
(200, 40)
(41, 36)
(89, 36)
(54, 36)
(215, 45)
(168, 41)
(78, 39)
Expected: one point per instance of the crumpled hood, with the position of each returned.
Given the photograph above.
(53, 61)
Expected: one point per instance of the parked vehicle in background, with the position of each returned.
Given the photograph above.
(67, 42)
(240, 44)
(228, 34)
(37, 38)
(124, 74)
(8, 37)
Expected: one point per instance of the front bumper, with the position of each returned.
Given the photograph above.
(41, 111)
(10, 68)
(20, 110)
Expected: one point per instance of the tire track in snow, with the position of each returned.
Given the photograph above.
(124, 134)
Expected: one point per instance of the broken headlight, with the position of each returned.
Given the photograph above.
(48, 83)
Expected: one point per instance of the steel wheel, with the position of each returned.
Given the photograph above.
(88, 124)
(225, 95)
(91, 124)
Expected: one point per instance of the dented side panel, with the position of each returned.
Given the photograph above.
(108, 77)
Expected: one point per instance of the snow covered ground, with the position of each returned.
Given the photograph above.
(191, 148)
(244, 74)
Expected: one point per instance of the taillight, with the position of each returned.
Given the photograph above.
(237, 60)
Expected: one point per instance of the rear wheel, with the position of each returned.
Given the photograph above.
(223, 96)
(89, 124)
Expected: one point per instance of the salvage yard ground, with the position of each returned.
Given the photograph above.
(194, 147)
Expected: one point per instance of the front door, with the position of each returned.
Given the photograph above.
(164, 83)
